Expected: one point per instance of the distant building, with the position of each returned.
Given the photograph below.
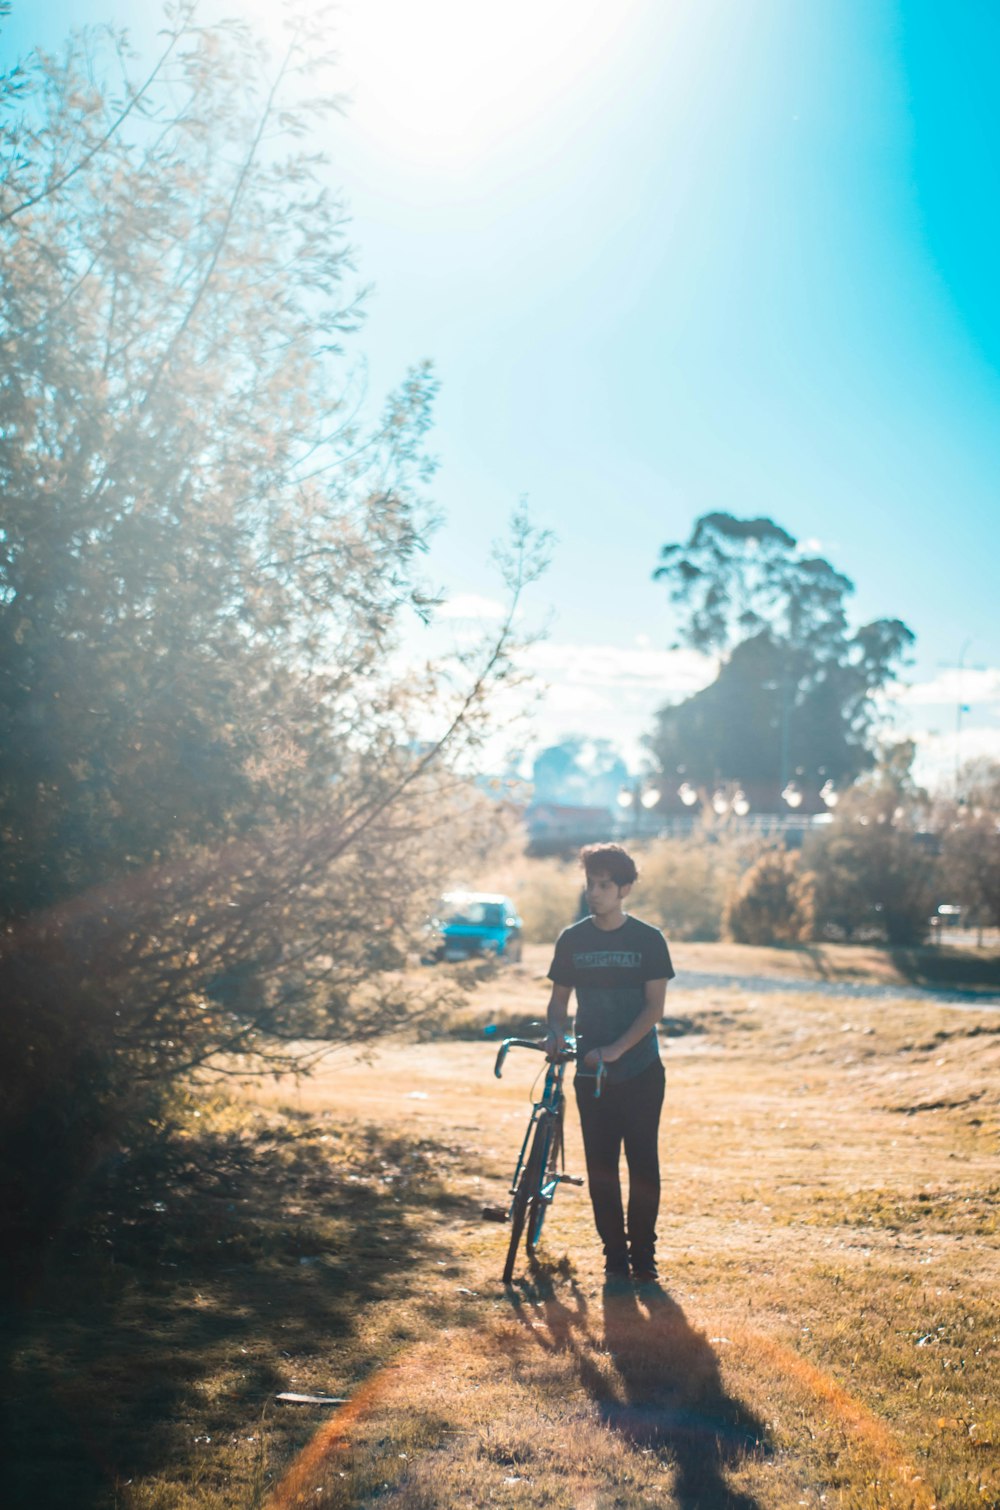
(557, 827)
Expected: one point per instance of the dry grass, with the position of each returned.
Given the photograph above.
(941, 966)
(512, 999)
(827, 1332)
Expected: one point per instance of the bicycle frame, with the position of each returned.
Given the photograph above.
(540, 1167)
(549, 1107)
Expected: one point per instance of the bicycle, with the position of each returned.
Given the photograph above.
(540, 1168)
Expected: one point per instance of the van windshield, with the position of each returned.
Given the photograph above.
(479, 914)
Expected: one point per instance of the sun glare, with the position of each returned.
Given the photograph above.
(447, 81)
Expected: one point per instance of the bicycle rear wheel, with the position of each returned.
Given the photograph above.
(528, 1186)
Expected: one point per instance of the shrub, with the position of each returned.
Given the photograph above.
(874, 881)
(874, 867)
(970, 845)
(773, 903)
(683, 884)
(548, 897)
(223, 820)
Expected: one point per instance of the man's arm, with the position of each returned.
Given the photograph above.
(655, 992)
(557, 1018)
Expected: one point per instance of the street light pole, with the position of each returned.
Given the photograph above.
(960, 705)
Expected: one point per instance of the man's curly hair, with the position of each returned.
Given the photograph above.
(609, 860)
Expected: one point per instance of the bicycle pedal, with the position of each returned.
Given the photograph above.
(571, 1179)
(495, 1214)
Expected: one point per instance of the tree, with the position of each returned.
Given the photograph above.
(970, 844)
(795, 693)
(222, 818)
(773, 902)
(875, 870)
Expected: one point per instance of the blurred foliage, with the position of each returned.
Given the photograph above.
(795, 688)
(547, 892)
(773, 902)
(223, 822)
(549, 903)
(969, 825)
(683, 883)
(874, 873)
(875, 864)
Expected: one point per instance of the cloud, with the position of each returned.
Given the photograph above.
(610, 691)
(470, 605)
(578, 703)
(616, 691)
(979, 687)
(937, 757)
(661, 674)
(927, 711)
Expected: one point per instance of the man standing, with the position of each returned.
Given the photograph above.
(619, 968)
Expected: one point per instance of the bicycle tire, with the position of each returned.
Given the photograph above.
(537, 1205)
(531, 1178)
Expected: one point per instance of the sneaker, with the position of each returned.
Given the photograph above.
(616, 1268)
(644, 1271)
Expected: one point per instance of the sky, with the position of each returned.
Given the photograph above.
(677, 256)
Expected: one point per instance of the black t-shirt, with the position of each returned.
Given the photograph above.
(608, 969)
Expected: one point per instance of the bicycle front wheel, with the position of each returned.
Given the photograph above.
(527, 1192)
(539, 1204)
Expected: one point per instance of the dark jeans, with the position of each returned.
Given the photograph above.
(628, 1113)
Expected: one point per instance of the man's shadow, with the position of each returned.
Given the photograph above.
(665, 1392)
(672, 1398)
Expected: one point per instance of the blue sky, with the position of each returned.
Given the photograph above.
(680, 255)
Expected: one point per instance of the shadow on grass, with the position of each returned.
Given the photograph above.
(818, 961)
(204, 1279)
(673, 1398)
(942, 966)
(665, 1392)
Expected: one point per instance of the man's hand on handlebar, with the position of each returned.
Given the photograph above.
(555, 1043)
(606, 1055)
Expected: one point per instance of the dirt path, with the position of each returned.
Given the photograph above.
(701, 980)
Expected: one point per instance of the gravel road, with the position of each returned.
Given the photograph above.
(698, 980)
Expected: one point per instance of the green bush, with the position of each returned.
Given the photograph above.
(773, 903)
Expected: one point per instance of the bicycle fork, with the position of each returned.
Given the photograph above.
(550, 1183)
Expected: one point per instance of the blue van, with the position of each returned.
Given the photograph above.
(477, 922)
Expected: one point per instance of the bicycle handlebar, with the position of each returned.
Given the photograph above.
(566, 1055)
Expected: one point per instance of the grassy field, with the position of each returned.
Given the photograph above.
(827, 1331)
(942, 966)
